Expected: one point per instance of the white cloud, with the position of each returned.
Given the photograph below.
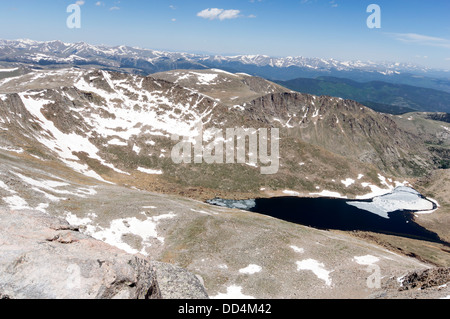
(80, 2)
(210, 13)
(229, 14)
(421, 39)
(220, 14)
(115, 7)
(99, 3)
(333, 4)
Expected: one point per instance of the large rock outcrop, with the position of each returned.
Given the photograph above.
(43, 257)
(430, 283)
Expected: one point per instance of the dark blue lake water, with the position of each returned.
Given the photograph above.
(337, 214)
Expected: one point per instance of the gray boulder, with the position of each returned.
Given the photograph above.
(178, 283)
(43, 257)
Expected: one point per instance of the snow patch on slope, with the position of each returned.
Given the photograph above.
(233, 292)
(144, 229)
(317, 268)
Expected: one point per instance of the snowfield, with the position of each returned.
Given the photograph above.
(330, 194)
(233, 292)
(150, 171)
(137, 112)
(250, 269)
(118, 228)
(366, 260)
(317, 268)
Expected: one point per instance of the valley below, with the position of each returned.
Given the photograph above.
(234, 253)
(94, 148)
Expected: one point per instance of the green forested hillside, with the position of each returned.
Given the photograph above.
(380, 96)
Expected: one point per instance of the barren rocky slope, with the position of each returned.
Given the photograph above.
(236, 254)
(228, 88)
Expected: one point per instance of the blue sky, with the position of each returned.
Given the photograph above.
(411, 30)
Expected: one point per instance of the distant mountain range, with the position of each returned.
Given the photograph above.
(381, 96)
(145, 61)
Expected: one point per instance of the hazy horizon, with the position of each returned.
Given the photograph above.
(411, 31)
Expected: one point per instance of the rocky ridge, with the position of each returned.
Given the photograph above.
(122, 124)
